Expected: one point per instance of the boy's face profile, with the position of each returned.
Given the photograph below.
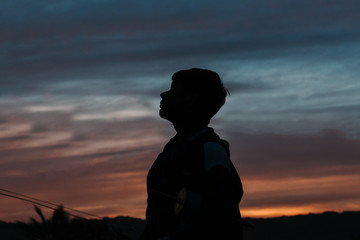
(174, 104)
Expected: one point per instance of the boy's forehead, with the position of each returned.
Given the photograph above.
(177, 86)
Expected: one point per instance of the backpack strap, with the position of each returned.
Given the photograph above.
(215, 155)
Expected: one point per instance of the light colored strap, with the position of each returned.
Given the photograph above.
(215, 155)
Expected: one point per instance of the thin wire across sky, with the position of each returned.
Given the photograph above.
(42, 203)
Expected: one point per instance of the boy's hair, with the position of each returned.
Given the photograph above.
(207, 85)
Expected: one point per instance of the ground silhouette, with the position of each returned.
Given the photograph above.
(325, 226)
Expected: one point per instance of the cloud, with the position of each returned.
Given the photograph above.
(101, 40)
(301, 195)
(62, 159)
(300, 155)
(239, 87)
(98, 183)
(298, 172)
(291, 174)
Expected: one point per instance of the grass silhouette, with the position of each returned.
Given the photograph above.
(61, 226)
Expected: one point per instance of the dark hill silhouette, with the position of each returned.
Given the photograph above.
(328, 225)
(325, 226)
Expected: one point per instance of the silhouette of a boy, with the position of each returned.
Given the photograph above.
(193, 188)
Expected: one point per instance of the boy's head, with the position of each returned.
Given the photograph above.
(196, 92)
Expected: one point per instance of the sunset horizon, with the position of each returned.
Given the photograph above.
(27, 211)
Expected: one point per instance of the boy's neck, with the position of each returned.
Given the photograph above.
(189, 130)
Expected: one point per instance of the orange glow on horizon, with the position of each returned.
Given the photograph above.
(289, 211)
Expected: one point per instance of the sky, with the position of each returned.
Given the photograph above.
(79, 99)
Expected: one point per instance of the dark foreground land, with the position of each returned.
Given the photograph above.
(325, 226)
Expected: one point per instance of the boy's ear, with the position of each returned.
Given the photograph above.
(193, 104)
(192, 100)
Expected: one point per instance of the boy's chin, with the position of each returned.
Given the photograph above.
(163, 114)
